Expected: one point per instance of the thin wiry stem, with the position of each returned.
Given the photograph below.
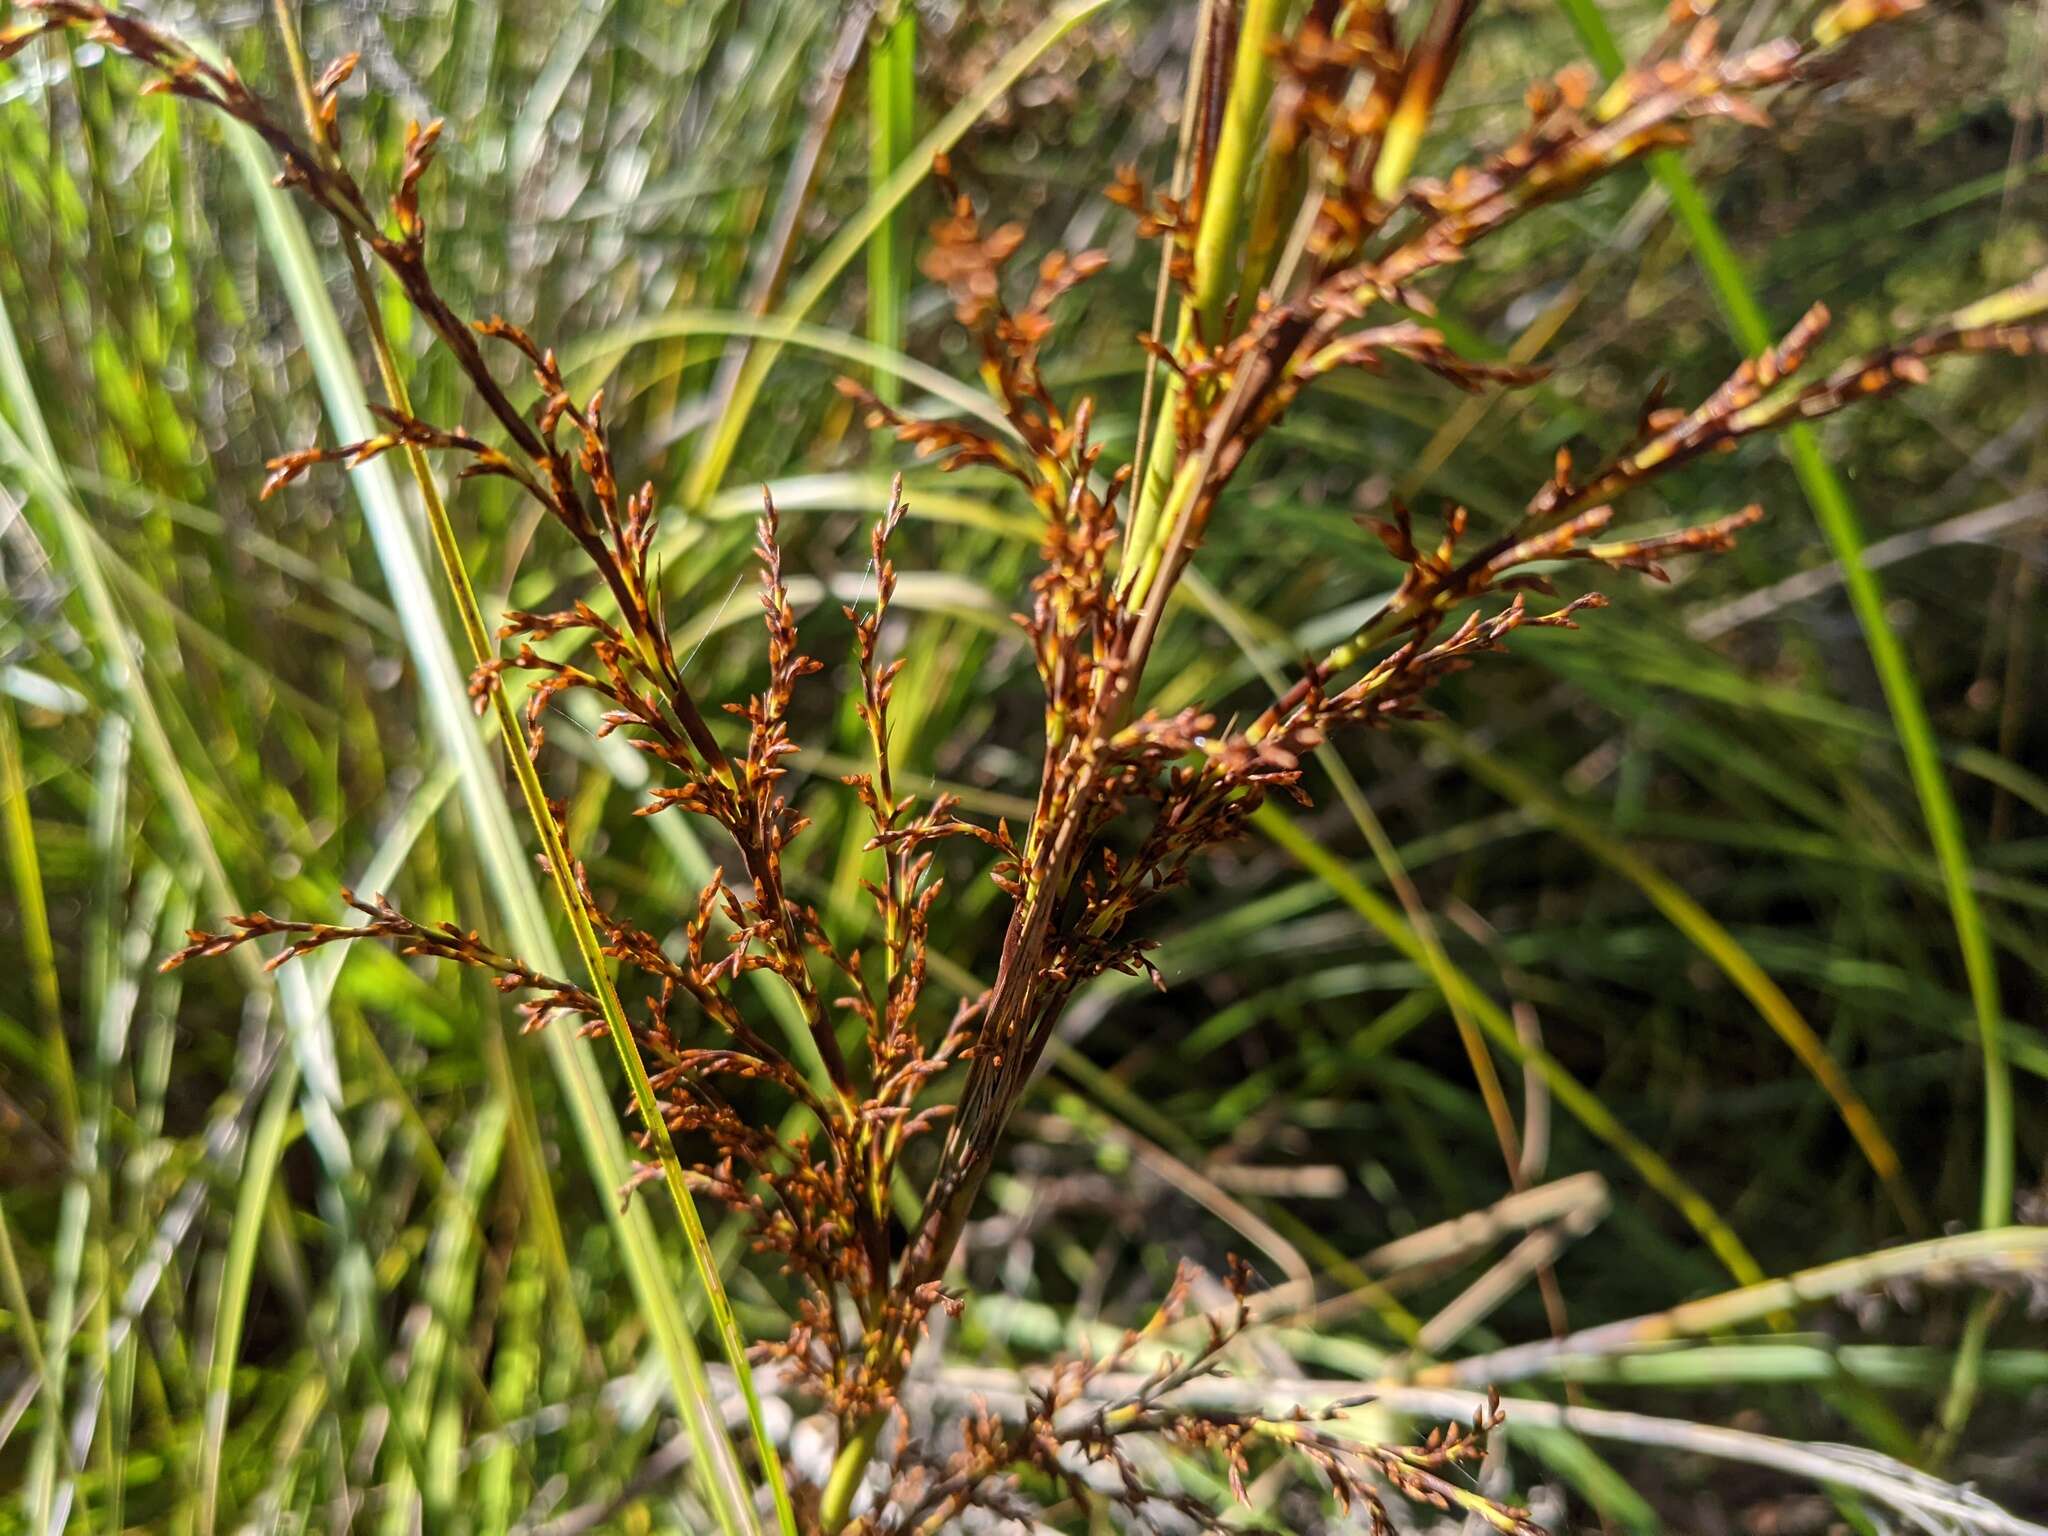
(482, 650)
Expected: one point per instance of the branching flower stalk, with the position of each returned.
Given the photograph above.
(1127, 797)
(317, 109)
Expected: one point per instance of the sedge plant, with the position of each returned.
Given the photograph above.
(1299, 242)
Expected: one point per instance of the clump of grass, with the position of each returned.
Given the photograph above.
(1127, 796)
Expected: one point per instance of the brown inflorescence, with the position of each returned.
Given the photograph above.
(1126, 796)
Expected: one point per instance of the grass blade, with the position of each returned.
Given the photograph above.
(26, 871)
(1914, 731)
(231, 1298)
(600, 351)
(892, 123)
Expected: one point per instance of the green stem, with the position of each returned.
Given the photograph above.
(847, 1469)
(617, 1030)
(26, 868)
(892, 122)
(1223, 192)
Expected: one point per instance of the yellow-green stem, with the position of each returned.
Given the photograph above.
(1215, 238)
(35, 918)
(587, 946)
(847, 1469)
(892, 123)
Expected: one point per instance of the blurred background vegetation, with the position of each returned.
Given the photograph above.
(313, 1251)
